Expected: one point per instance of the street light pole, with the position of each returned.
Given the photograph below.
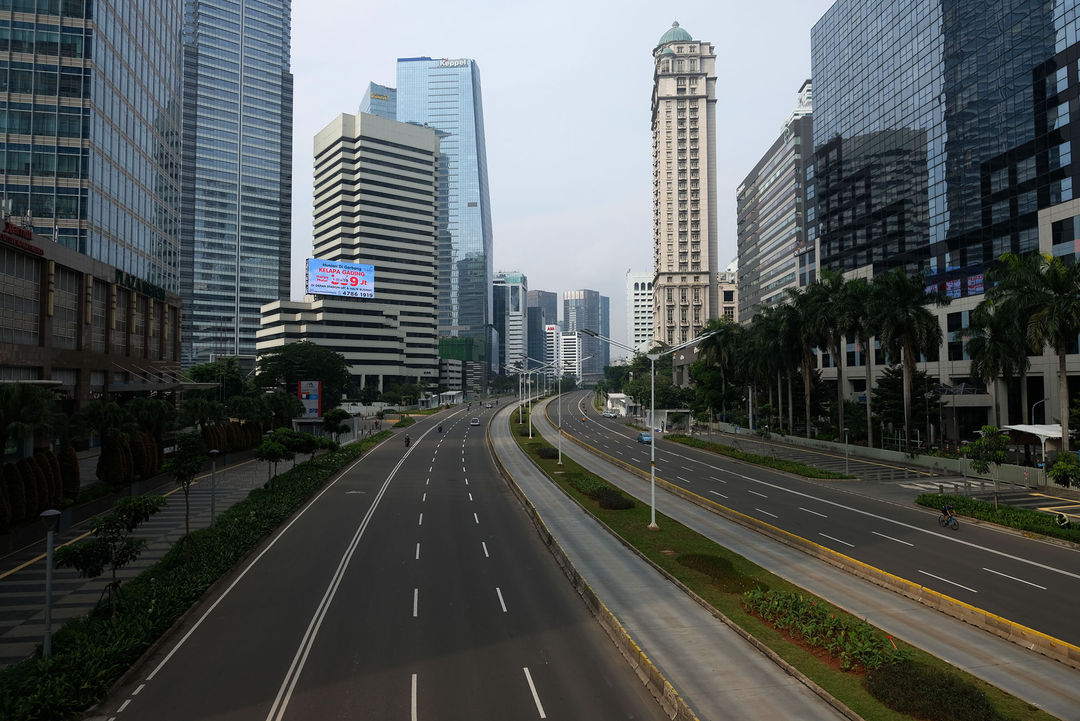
(846, 452)
(51, 519)
(1033, 409)
(652, 409)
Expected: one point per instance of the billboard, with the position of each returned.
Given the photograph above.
(310, 395)
(335, 277)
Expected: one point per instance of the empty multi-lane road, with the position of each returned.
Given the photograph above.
(413, 587)
(1029, 581)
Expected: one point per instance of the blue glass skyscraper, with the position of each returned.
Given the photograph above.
(380, 100)
(90, 108)
(445, 94)
(238, 93)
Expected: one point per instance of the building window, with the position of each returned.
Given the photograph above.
(20, 300)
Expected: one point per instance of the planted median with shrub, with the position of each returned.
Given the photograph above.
(780, 464)
(93, 652)
(878, 677)
(1022, 519)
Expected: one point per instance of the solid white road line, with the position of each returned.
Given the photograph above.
(415, 601)
(814, 512)
(756, 493)
(418, 550)
(947, 581)
(536, 698)
(718, 494)
(1005, 575)
(892, 539)
(262, 553)
(850, 545)
(414, 697)
(765, 512)
(484, 544)
(502, 603)
(476, 518)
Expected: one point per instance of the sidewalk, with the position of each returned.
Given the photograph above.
(22, 573)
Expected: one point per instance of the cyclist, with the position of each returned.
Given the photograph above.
(407, 440)
(948, 512)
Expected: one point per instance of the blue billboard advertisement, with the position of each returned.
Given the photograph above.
(335, 277)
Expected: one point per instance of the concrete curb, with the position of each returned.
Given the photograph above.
(660, 688)
(1023, 636)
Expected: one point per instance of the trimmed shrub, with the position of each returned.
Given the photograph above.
(612, 499)
(16, 492)
(44, 485)
(127, 462)
(139, 460)
(922, 692)
(234, 440)
(5, 506)
(721, 571)
(56, 476)
(69, 472)
(31, 488)
(1022, 519)
(547, 452)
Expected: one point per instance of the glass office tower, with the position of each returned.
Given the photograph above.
(90, 109)
(379, 100)
(445, 95)
(941, 128)
(238, 93)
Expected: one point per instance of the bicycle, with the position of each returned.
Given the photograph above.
(949, 521)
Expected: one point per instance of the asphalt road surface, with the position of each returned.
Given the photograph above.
(414, 587)
(1029, 581)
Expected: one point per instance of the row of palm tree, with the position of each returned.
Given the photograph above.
(1032, 303)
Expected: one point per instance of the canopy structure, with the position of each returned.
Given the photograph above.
(1050, 431)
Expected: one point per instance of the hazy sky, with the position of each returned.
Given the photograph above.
(566, 90)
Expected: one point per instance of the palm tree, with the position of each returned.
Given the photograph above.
(857, 323)
(905, 326)
(799, 334)
(998, 346)
(718, 350)
(827, 304)
(1055, 321)
(1013, 280)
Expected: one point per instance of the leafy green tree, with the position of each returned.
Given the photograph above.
(273, 452)
(336, 422)
(858, 324)
(997, 346)
(990, 449)
(226, 372)
(185, 463)
(111, 423)
(718, 351)
(906, 326)
(888, 396)
(283, 408)
(1066, 470)
(799, 335)
(304, 361)
(111, 544)
(1012, 282)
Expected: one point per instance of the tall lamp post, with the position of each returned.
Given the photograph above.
(652, 407)
(51, 518)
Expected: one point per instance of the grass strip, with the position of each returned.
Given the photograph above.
(780, 464)
(92, 652)
(723, 580)
(1022, 519)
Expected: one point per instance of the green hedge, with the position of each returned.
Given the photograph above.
(780, 464)
(853, 643)
(91, 653)
(912, 688)
(1023, 519)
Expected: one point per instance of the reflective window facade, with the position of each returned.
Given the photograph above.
(941, 127)
(379, 100)
(238, 92)
(90, 106)
(445, 95)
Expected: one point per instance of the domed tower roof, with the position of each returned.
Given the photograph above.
(674, 34)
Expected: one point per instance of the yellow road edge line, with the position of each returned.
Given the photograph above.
(836, 555)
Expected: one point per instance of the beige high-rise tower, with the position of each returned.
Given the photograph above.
(684, 186)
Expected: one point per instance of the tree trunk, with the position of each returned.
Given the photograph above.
(1024, 398)
(779, 400)
(1063, 401)
(869, 346)
(790, 410)
(806, 391)
(838, 360)
(909, 372)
